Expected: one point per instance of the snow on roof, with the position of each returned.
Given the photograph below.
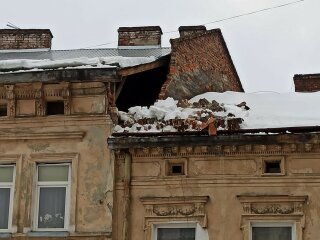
(257, 110)
(29, 64)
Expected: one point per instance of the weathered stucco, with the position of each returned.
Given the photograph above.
(231, 175)
(78, 137)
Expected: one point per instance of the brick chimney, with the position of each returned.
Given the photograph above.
(139, 37)
(14, 39)
(307, 82)
(190, 30)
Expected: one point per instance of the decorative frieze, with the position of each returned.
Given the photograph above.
(225, 150)
(273, 204)
(273, 208)
(166, 209)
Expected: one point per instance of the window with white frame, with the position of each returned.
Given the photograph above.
(272, 231)
(53, 190)
(175, 231)
(6, 196)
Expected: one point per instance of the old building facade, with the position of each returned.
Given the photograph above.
(57, 109)
(239, 187)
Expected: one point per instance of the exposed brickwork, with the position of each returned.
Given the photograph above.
(307, 82)
(191, 30)
(25, 38)
(139, 36)
(200, 63)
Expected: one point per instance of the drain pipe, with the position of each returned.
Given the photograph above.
(127, 200)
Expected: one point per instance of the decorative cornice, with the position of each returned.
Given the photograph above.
(39, 136)
(224, 150)
(273, 204)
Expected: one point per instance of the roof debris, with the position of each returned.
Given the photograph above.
(169, 116)
(231, 111)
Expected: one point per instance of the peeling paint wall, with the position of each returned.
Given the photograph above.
(224, 174)
(78, 139)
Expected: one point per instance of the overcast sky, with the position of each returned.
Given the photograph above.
(267, 48)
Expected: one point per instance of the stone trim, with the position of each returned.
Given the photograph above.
(168, 209)
(273, 208)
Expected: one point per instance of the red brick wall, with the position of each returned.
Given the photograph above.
(200, 63)
(307, 82)
(139, 36)
(25, 38)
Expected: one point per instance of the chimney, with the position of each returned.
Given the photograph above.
(139, 37)
(190, 30)
(14, 39)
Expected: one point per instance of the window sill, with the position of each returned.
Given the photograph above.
(5, 235)
(48, 234)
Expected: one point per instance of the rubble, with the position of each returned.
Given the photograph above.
(180, 116)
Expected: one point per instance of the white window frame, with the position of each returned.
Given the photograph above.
(274, 224)
(39, 184)
(11, 186)
(173, 225)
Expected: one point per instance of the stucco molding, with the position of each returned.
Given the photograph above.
(41, 136)
(168, 209)
(273, 208)
(224, 150)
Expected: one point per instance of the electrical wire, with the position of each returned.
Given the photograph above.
(223, 19)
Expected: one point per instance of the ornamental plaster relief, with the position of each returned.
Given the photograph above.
(167, 209)
(273, 208)
(225, 150)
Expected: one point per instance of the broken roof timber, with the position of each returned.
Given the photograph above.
(161, 62)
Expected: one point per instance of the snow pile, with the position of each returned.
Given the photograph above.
(271, 110)
(172, 116)
(230, 111)
(18, 64)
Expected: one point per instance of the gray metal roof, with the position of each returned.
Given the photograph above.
(90, 53)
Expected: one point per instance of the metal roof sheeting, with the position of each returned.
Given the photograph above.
(89, 53)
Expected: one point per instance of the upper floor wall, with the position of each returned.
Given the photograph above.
(41, 99)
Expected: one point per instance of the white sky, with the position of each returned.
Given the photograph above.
(267, 48)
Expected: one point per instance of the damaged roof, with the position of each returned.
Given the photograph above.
(233, 112)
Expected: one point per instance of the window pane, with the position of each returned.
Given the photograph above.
(52, 207)
(271, 233)
(53, 172)
(6, 174)
(4, 207)
(176, 233)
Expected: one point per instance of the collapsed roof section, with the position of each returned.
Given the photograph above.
(138, 71)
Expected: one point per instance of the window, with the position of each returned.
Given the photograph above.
(53, 187)
(175, 232)
(272, 231)
(271, 166)
(55, 108)
(176, 167)
(3, 110)
(6, 196)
